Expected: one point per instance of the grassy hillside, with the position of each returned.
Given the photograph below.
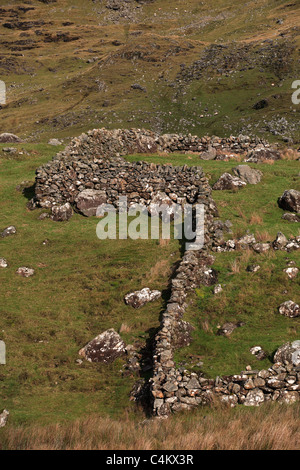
(201, 66)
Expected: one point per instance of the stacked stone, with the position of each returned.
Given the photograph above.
(194, 270)
(183, 390)
(60, 181)
(119, 142)
(248, 242)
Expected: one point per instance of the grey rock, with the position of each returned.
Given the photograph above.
(61, 213)
(288, 353)
(6, 137)
(290, 200)
(3, 418)
(254, 397)
(106, 347)
(139, 298)
(227, 181)
(25, 272)
(248, 174)
(11, 230)
(280, 241)
(289, 309)
(3, 263)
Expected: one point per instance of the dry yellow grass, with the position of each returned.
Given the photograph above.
(263, 236)
(270, 427)
(255, 219)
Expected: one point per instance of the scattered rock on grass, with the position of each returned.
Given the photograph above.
(280, 241)
(3, 263)
(258, 352)
(261, 247)
(3, 418)
(288, 353)
(253, 268)
(248, 174)
(139, 298)
(217, 289)
(6, 137)
(11, 230)
(25, 272)
(290, 200)
(291, 272)
(106, 347)
(227, 181)
(54, 142)
(291, 217)
(289, 309)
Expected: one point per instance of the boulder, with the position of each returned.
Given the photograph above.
(61, 213)
(54, 142)
(258, 352)
(3, 418)
(3, 263)
(25, 272)
(248, 174)
(11, 230)
(288, 353)
(106, 347)
(139, 298)
(291, 272)
(209, 154)
(6, 137)
(290, 200)
(88, 201)
(280, 241)
(261, 247)
(289, 309)
(291, 217)
(260, 154)
(227, 181)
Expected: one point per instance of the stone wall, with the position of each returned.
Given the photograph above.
(174, 389)
(120, 142)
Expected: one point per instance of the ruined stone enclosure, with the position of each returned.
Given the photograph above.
(91, 171)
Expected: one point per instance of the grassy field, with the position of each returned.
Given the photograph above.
(80, 282)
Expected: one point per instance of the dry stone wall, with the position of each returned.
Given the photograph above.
(92, 162)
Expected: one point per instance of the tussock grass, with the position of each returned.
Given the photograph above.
(271, 427)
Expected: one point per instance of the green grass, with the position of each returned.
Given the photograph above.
(76, 293)
(80, 282)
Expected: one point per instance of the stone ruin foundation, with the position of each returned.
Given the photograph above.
(92, 166)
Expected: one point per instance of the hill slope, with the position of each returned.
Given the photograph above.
(186, 66)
